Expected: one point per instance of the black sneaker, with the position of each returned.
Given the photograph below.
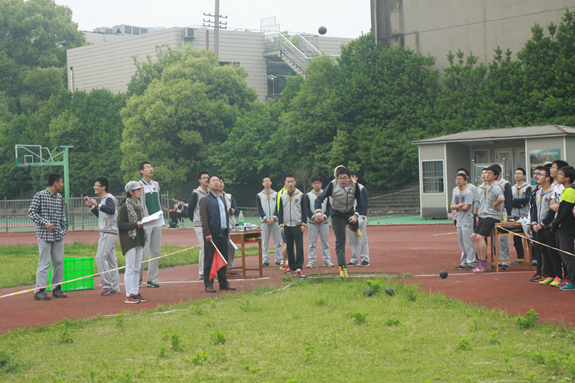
(364, 263)
(351, 264)
(265, 264)
(278, 263)
(41, 295)
(152, 284)
(460, 267)
(504, 267)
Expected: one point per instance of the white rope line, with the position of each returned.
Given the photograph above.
(93, 275)
(537, 242)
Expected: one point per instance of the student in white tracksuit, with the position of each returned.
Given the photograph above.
(107, 213)
(356, 242)
(462, 208)
(194, 213)
(267, 203)
(317, 228)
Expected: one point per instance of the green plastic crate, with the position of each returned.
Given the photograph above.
(76, 268)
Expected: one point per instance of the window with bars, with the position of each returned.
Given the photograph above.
(432, 172)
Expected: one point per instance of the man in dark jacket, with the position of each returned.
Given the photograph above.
(215, 229)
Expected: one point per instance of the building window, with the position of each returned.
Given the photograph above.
(432, 172)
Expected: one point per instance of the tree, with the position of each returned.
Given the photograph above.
(34, 37)
(388, 98)
(180, 117)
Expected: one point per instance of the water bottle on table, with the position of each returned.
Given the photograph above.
(241, 220)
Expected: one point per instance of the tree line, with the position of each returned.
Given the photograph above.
(184, 112)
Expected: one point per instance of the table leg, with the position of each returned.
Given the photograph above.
(260, 256)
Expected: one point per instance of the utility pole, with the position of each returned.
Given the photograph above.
(217, 25)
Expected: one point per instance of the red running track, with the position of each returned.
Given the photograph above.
(422, 250)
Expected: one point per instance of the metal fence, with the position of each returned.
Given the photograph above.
(14, 213)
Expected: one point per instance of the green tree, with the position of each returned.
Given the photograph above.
(179, 118)
(34, 37)
(388, 98)
(90, 122)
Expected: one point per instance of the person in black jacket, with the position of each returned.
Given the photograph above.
(564, 224)
(215, 229)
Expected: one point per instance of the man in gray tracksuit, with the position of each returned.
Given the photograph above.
(266, 200)
(152, 203)
(194, 213)
(355, 242)
(107, 214)
(292, 222)
(317, 228)
(343, 193)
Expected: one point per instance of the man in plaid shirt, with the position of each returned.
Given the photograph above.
(48, 212)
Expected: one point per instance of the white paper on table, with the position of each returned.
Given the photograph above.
(154, 220)
(233, 244)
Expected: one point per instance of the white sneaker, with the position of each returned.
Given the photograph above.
(310, 265)
(201, 277)
(329, 264)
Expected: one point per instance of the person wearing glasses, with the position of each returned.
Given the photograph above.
(343, 193)
(151, 202)
(107, 214)
(194, 213)
(536, 258)
(489, 213)
(215, 229)
(541, 225)
(521, 195)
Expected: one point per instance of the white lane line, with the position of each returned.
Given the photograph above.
(435, 235)
(460, 274)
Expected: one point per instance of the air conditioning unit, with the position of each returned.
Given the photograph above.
(190, 33)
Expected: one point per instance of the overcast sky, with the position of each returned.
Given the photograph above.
(343, 18)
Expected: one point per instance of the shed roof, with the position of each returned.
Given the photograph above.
(501, 134)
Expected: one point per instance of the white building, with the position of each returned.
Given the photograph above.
(109, 61)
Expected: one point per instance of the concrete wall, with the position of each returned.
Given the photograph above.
(331, 46)
(569, 155)
(457, 156)
(110, 64)
(478, 26)
(432, 204)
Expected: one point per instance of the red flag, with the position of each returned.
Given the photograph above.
(218, 262)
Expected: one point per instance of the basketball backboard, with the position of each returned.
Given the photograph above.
(28, 155)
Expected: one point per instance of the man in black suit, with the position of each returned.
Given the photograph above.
(214, 217)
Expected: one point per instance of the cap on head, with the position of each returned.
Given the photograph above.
(131, 186)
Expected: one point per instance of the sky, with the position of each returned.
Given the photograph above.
(342, 18)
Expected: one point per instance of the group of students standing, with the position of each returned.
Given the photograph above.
(213, 214)
(288, 212)
(546, 212)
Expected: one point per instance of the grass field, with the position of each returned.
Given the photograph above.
(309, 331)
(20, 262)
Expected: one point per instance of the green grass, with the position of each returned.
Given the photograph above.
(312, 331)
(19, 263)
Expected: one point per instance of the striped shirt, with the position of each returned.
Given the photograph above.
(48, 208)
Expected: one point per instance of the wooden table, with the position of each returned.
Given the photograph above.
(499, 232)
(240, 238)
